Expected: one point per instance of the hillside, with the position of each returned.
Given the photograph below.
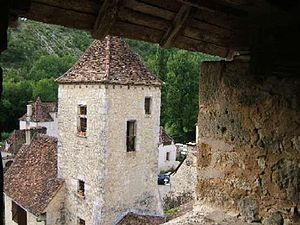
(38, 53)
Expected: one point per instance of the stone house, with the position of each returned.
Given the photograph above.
(166, 152)
(43, 114)
(33, 193)
(103, 167)
(109, 112)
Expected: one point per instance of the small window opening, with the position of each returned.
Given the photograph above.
(147, 105)
(80, 187)
(131, 135)
(82, 126)
(14, 211)
(81, 221)
(19, 215)
(168, 156)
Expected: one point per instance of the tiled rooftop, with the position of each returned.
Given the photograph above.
(41, 111)
(110, 61)
(17, 139)
(136, 219)
(32, 180)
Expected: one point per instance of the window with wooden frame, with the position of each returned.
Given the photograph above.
(148, 102)
(82, 120)
(81, 189)
(81, 221)
(131, 136)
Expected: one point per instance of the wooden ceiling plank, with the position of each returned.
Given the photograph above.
(134, 31)
(215, 6)
(89, 6)
(106, 18)
(149, 9)
(176, 27)
(55, 15)
(205, 47)
(134, 17)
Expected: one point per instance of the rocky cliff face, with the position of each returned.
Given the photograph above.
(249, 142)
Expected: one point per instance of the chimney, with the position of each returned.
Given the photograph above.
(28, 118)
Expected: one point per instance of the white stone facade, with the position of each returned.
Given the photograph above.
(52, 126)
(53, 212)
(115, 181)
(167, 162)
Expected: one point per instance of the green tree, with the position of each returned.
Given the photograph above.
(182, 95)
(46, 89)
(13, 102)
(50, 66)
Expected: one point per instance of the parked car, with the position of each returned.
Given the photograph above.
(163, 179)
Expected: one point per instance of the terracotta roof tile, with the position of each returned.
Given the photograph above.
(164, 138)
(41, 111)
(32, 180)
(17, 139)
(110, 61)
(136, 219)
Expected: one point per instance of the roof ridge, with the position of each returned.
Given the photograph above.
(107, 56)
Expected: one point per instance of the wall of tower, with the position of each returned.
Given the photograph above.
(131, 183)
(82, 158)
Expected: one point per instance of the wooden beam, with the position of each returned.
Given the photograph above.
(106, 18)
(215, 5)
(177, 26)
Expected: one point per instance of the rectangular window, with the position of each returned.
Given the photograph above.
(131, 135)
(80, 189)
(82, 120)
(14, 211)
(81, 221)
(19, 215)
(147, 105)
(168, 156)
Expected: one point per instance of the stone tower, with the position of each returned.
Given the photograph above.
(108, 111)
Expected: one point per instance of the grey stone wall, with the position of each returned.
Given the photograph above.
(116, 181)
(248, 147)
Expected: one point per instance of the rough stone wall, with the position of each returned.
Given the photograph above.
(116, 181)
(249, 142)
(183, 182)
(55, 209)
(82, 158)
(31, 219)
(131, 177)
(8, 213)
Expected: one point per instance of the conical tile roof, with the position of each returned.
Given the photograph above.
(110, 61)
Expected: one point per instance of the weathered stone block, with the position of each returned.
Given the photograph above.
(249, 128)
(249, 209)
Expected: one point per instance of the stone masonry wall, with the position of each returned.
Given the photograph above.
(131, 179)
(82, 158)
(249, 142)
(183, 182)
(116, 181)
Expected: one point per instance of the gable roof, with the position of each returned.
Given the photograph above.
(41, 111)
(164, 138)
(137, 219)
(31, 180)
(110, 61)
(17, 139)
